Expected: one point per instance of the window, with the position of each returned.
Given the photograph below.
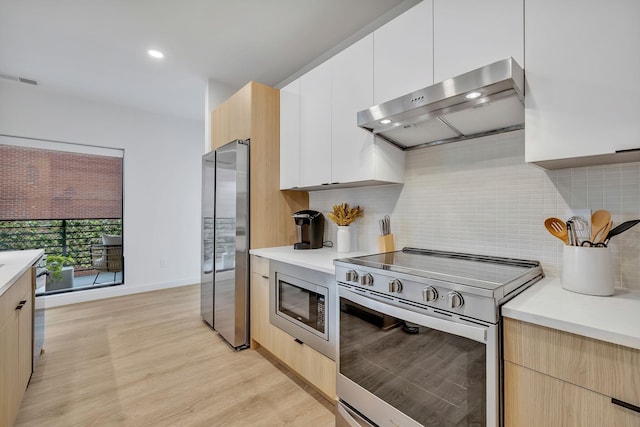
(63, 202)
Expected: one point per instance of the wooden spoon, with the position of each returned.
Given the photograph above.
(605, 232)
(558, 228)
(599, 220)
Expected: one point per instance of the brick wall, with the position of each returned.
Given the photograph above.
(47, 184)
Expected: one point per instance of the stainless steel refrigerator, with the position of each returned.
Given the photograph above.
(224, 287)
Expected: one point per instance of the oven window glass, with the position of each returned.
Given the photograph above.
(300, 304)
(434, 377)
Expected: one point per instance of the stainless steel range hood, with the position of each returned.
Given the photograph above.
(485, 101)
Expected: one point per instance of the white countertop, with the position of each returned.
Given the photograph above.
(614, 319)
(314, 259)
(14, 264)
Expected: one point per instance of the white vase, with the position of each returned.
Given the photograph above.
(343, 238)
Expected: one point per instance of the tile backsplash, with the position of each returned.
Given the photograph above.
(479, 196)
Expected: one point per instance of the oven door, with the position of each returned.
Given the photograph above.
(426, 368)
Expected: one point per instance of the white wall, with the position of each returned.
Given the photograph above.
(216, 94)
(480, 196)
(162, 169)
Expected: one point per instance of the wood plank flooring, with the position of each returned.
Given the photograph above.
(149, 360)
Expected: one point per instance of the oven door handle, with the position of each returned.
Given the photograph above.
(346, 418)
(476, 333)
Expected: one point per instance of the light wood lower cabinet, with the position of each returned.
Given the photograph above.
(555, 378)
(314, 367)
(16, 334)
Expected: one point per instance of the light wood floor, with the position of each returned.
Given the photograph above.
(148, 360)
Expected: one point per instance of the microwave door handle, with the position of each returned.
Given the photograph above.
(475, 333)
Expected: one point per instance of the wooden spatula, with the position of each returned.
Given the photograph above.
(558, 228)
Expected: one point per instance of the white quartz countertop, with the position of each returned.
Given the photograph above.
(314, 259)
(614, 319)
(13, 264)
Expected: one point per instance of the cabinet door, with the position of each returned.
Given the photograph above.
(351, 91)
(9, 389)
(259, 309)
(582, 66)
(25, 342)
(315, 126)
(472, 33)
(403, 53)
(532, 399)
(290, 135)
(232, 119)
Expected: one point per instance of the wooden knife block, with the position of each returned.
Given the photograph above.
(385, 243)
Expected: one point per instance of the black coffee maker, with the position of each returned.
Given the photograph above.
(309, 229)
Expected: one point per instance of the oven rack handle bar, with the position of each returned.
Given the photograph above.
(474, 333)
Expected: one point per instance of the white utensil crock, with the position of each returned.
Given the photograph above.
(587, 270)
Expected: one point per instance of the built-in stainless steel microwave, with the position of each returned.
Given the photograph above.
(301, 303)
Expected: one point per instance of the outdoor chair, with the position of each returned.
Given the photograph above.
(106, 257)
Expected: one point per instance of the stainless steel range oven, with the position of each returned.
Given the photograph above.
(301, 302)
(419, 340)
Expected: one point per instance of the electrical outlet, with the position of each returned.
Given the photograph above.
(583, 229)
(163, 262)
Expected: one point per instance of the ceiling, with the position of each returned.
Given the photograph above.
(97, 49)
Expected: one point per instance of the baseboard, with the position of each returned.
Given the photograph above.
(86, 295)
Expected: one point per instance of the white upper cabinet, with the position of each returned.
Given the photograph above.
(351, 91)
(290, 135)
(315, 126)
(469, 34)
(403, 54)
(322, 144)
(356, 155)
(582, 68)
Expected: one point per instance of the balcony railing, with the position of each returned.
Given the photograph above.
(70, 237)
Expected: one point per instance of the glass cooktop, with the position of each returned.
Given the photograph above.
(476, 270)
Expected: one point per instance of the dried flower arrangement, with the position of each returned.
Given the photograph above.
(344, 215)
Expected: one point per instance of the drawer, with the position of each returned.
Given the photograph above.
(260, 265)
(610, 369)
(533, 399)
(20, 290)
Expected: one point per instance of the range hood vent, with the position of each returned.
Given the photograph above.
(485, 101)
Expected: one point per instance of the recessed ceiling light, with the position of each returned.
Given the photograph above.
(155, 53)
(385, 121)
(473, 95)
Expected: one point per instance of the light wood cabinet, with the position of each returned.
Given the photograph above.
(582, 68)
(469, 34)
(314, 367)
(561, 379)
(16, 335)
(254, 113)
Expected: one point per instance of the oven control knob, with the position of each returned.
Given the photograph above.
(455, 300)
(429, 294)
(395, 286)
(366, 280)
(352, 276)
